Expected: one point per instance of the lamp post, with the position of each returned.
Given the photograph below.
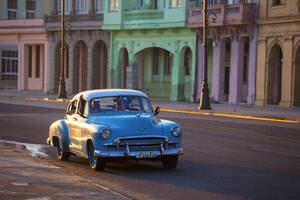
(62, 85)
(204, 98)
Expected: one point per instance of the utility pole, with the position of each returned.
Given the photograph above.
(62, 85)
(204, 98)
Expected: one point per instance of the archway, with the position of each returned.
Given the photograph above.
(99, 66)
(58, 66)
(297, 79)
(80, 67)
(154, 72)
(274, 75)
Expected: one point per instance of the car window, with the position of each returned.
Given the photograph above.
(72, 107)
(136, 103)
(82, 108)
(105, 104)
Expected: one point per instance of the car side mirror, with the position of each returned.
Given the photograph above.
(157, 110)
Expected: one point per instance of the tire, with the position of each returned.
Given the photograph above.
(62, 154)
(96, 163)
(170, 162)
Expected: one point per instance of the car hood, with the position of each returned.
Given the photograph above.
(129, 123)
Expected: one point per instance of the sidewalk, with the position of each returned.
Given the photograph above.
(25, 177)
(272, 112)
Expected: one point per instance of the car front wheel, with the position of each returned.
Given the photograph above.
(170, 162)
(95, 162)
(61, 154)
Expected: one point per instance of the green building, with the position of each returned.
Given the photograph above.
(151, 48)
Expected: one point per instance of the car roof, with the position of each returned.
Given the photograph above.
(90, 94)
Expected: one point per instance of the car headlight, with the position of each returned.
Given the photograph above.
(105, 133)
(176, 131)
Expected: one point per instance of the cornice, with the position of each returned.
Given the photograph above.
(278, 20)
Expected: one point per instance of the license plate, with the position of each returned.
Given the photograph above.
(146, 155)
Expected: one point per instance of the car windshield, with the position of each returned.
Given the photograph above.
(120, 103)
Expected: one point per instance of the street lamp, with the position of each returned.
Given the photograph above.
(204, 98)
(62, 85)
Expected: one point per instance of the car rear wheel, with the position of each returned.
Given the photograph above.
(95, 162)
(61, 154)
(170, 162)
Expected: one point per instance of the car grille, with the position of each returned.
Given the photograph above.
(141, 144)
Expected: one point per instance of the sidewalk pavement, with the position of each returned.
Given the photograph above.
(25, 177)
(269, 113)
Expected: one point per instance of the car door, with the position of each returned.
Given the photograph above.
(81, 125)
(71, 120)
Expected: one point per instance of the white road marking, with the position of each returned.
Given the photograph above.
(276, 152)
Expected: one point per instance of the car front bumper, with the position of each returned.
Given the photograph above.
(133, 154)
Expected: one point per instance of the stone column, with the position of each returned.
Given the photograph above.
(177, 77)
(199, 70)
(51, 66)
(252, 68)
(22, 75)
(236, 70)
(73, 7)
(90, 69)
(71, 68)
(287, 73)
(262, 64)
(46, 67)
(218, 75)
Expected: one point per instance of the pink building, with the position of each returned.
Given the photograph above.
(23, 45)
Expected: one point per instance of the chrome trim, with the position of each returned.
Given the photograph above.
(124, 154)
(140, 137)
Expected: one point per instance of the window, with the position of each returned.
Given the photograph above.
(99, 6)
(228, 2)
(68, 6)
(11, 9)
(82, 108)
(30, 9)
(114, 5)
(175, 3)
(30, 61)
(72, 108)
(277, 2)
(37, 62)
(82, 6)
(155, 67)
(168, 63)
(9, 69)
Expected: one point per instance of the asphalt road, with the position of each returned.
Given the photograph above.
(224, 158)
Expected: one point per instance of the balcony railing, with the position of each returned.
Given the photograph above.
(226, 14)
(74, 18)
(143, 15)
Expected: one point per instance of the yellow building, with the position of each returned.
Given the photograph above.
(278, 55)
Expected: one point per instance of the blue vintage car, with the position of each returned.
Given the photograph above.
(110, 124)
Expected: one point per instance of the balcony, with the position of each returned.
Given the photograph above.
(139, 15)
(231, 14)
(76, 22)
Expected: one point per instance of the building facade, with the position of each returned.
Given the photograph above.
(86, 46)
(232, 35)
(278, 57)
(151, 47)
(23, 44)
